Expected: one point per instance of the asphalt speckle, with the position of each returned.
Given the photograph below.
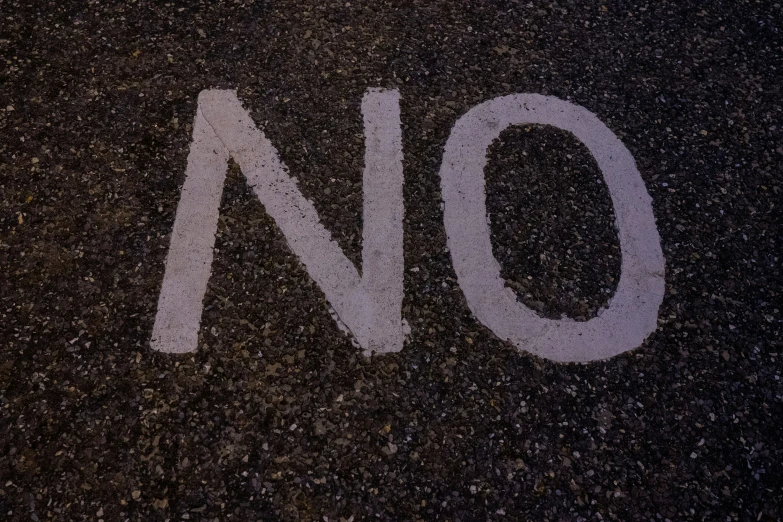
(278, 416)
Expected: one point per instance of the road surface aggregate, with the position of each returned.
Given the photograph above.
(278, 415)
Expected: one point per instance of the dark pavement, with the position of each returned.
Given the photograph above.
(278, 416)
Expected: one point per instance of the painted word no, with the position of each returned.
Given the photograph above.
(369, 306)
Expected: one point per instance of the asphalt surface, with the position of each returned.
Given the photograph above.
(278, 416)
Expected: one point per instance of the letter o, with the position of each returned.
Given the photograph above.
(632, 312)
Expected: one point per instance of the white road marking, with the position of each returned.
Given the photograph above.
(189, 262)
(370, 305)
(632, 312)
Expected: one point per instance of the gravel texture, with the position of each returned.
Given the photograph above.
(278, 416)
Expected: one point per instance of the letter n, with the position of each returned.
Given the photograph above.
(368, 305)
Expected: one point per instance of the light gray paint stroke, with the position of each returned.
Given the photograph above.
(632, 312)
(370, 305)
